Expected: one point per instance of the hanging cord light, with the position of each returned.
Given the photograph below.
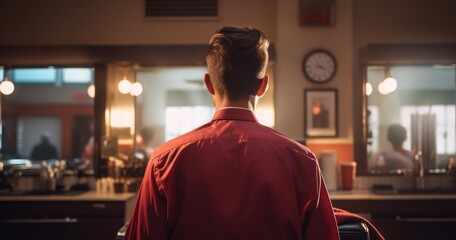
(389, 84)
(368, 89)
(91, 90)
(6, 87)
(136, 89)
(124, 85)
(91, 87)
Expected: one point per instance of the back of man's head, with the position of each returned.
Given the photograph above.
(397, 134)
(46, 137)
(237, 60)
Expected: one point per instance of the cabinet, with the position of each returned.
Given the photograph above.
(68, 219)
(407, 217)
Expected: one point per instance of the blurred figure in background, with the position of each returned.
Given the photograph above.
(398, 157)
(145, 146)
(44, 150)
(87, 154)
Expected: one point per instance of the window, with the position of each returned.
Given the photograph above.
(182, 119)
(77, 75)
(34, 75)
(374, 125)
(445, 125)
(52, 75)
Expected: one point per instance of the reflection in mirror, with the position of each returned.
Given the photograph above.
(50, 106)
(175, 101)
(414, 112)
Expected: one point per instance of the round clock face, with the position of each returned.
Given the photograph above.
(319, 66)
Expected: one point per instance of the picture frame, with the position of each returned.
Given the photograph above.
(320, 113)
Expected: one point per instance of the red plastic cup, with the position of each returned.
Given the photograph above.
(348, 172)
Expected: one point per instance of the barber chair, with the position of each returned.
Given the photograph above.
(353, 231)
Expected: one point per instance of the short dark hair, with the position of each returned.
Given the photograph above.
(397, 134)
(237, 60)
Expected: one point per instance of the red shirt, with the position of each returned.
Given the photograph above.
(232, 178)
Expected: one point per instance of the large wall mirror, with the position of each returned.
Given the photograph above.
(53, 99)
(410, 109)
(405, 97)
(49, 115)
(175, 101)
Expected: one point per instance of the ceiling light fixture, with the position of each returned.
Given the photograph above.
(389, 84)
(6, 87)
(368, 88)
(124, 85)
(136, 89)
(91, 90)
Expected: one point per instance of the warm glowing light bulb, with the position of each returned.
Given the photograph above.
(91, 91)
(368, 89)
(382, 88)
(124, 86)
(6, 87)
(390, 84)
(136, 89)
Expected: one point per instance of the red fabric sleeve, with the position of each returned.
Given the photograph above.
(149, 218)
(321, 222)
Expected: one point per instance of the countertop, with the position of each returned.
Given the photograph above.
(85, 196)
(334, 195)
(369, 195)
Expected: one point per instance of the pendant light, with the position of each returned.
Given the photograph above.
(124, 85)
(368, 89)
(6, 87)
(136, 89)
(91, 90)
(389, 84)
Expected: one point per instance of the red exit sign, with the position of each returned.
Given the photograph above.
(316, 13)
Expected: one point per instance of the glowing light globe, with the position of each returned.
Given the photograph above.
(6, 87)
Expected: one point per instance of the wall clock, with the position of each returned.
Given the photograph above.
(319, 66)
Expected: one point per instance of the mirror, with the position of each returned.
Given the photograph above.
(175, 101)
(51, 103)
(416, 113)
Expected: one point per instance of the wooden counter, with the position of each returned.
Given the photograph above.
(83, 216)
(369, 195)
(85, 196)
(98, 216)
(403, 216)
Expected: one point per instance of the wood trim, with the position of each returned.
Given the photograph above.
(156, 55)
(410, 53)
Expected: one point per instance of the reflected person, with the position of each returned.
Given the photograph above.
(44, 150)
(87, 153)
(320, 114)
(145, 143)
(398, 157)
(233, 178)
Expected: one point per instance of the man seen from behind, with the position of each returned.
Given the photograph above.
(233, 178)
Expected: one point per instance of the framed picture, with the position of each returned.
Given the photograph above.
(320, 113)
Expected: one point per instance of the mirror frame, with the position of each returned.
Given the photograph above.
(387, 54)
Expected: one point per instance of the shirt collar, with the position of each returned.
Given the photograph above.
(234, 113)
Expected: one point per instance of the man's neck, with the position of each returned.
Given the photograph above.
(235, 104)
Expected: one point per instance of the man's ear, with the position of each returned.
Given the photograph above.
(263, 86)
(209, 86)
